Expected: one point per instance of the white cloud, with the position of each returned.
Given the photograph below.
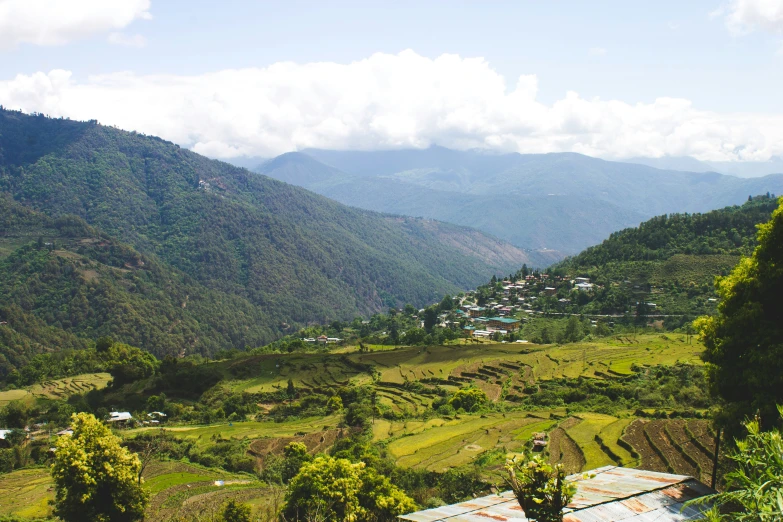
(56, 22)
(596, 51)
(127, 40)
(389, 101)
(745, 16)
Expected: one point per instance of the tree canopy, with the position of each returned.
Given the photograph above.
(95, 477)
(336, 489)
(744, 341)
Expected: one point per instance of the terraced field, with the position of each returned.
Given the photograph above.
(57, 389)
(442, 443)
(179, 490)
(491, 363)
(203, 435)
(584, 433)
(673, 445)
(309, 373)
(26, 493)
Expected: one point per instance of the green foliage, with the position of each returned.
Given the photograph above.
(468, 399)
(678, 255)
(95, 478)
(280, 470)
(15, 414)
(745, 340)
(540, 488)
(236, 512)
(335, 489)
(681, 386)
(754, 486)
(730, 230)
(128, 364)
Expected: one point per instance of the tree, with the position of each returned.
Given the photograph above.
(744, 341)
(540, 488)
(573, 330)
(103, 344)
(15, 414)
(329, 489)
(95, 477)
(446, 304)
(128, 363)
(755, 483)
(430, 318)
(468, 398)
(236, 512)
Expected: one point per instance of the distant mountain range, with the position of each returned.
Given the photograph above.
(558, 203)
(742, 169)
(106, 232)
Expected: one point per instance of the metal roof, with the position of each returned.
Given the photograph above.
(602, 495)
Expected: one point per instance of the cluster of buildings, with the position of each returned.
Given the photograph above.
(499, 311)
(322, 339)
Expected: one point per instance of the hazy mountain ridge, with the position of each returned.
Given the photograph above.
(564, 201)
(742, 169)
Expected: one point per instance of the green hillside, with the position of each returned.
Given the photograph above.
(670, 260)
(63, 281)
(272, 255)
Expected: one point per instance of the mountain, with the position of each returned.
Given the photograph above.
(683, 163)
(242, 258)
(560, 202)
(670, 260)
(742, 169)
(63, 281)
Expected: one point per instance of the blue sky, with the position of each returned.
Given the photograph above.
(722, 63)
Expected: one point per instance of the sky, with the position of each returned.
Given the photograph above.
(613, 79)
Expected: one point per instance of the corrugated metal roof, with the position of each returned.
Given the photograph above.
(602, 495)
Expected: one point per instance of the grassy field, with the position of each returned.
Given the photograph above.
(203, 435)
(57, 389)
(183, 489)
(584, 432)
(26, 493)
(440, 444)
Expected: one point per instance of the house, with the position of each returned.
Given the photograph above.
(476, 311)
(608, 494)
(322, 339)
(156, 415)
(550, 291)
(584, 287)
(503, 323)
(3, 442)
(582, 280)
(120, 416)
(66, 432)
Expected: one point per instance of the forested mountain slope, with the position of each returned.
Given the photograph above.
(670, 260)
(563, 202)
(290, 255)
(63, 281)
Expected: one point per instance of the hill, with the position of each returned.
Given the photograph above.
(563, 202)
(272, 255)
(670, 261)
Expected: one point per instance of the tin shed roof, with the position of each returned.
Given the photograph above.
(602, 495)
